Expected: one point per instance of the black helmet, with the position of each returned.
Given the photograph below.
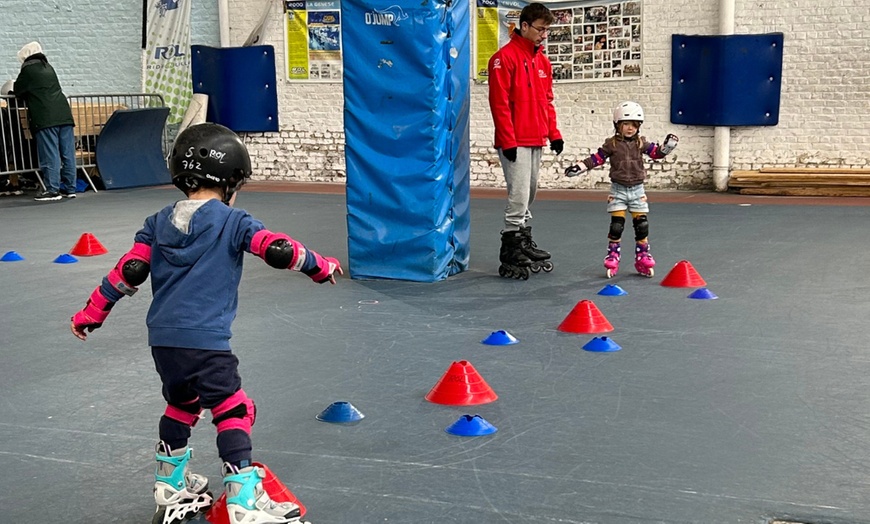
(209, 155)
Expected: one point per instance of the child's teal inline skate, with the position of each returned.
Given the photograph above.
(180, 495)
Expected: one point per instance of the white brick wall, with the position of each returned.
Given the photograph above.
(823, 115)
(95, 46)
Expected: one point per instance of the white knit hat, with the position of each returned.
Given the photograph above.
(29, 50)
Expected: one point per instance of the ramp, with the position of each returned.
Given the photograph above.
(130, 149)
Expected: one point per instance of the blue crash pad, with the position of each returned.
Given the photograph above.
(726, 80)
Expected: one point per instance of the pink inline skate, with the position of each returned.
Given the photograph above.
(643, 260)
(611, 261)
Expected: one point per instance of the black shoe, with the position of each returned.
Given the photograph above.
(46, 196)
(67, 194)
(8, 189)
(11, 191)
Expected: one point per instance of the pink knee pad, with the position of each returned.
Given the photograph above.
(236, 412)
(185, 413)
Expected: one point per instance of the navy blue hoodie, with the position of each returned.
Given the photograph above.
(195, 275)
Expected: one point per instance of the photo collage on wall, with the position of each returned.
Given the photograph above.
(588, 40)
(596, 42)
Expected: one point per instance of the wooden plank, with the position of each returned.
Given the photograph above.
(816, 170)
(797, 183)
(802, 176)
(851, 180)
(818, 191)
(90, 117)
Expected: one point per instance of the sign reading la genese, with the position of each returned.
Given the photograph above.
(312, 35)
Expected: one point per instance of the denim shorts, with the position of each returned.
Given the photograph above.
(623, 197)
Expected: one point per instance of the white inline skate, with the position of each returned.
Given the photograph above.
(179, 494)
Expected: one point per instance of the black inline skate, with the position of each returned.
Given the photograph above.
(514, 262)
(540, 258)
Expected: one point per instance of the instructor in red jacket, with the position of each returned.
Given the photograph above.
(521, 101)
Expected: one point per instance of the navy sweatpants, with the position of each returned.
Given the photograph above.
(212, 377)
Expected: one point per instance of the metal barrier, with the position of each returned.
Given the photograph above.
(18, 153)
(17, 149)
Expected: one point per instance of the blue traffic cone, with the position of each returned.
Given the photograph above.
(340, 412)
(703, 294)
(612, 290)
(65, 259)
(500, 338)
(471, 426)
(11, 256)
(602, 345)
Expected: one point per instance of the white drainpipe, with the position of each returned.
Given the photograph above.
(722, 135)
(224, 19)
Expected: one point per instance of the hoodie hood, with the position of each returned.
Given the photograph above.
(190, 221)
(29, 50)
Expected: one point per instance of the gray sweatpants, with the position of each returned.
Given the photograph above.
(521, 178)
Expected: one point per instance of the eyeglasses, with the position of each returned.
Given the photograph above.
(543, 31)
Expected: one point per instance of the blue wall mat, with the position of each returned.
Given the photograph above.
(130, 149)
(240, 84)
(731, 80)
(407, 99)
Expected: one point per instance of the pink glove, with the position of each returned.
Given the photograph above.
(92, 315)
(327, 266)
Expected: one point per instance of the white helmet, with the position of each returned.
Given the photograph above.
(627, 111)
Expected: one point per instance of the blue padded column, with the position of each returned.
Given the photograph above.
(732, 80)
(240, 84)
(407, 98)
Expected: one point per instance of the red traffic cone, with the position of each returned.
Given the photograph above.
(88, 246)
(461, 385)
(683, 275)
(585, 318)
(276, 489)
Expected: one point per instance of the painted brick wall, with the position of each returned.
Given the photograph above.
(94, 45)
(823, 117)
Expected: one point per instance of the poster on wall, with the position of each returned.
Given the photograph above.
(167, 55)
(588, 41)
(312, 34)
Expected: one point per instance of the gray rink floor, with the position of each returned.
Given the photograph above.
(745, 409)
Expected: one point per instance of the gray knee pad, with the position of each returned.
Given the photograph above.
(617, 225)
(641, 227)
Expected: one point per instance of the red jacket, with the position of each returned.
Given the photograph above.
(521, 95)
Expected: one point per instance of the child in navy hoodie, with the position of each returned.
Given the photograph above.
(185, 248)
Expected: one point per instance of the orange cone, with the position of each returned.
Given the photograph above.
(274, 487)
(88, 246)
(683, 275)
(585, 318)
(461, 385)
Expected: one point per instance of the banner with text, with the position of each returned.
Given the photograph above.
(588, 41)
(167, 54)
(312, 33)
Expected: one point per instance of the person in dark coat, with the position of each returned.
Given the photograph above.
(51, 122)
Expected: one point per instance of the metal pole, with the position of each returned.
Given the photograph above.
(722, 135)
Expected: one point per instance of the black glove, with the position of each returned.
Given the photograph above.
(510, 153)
(557, 146)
